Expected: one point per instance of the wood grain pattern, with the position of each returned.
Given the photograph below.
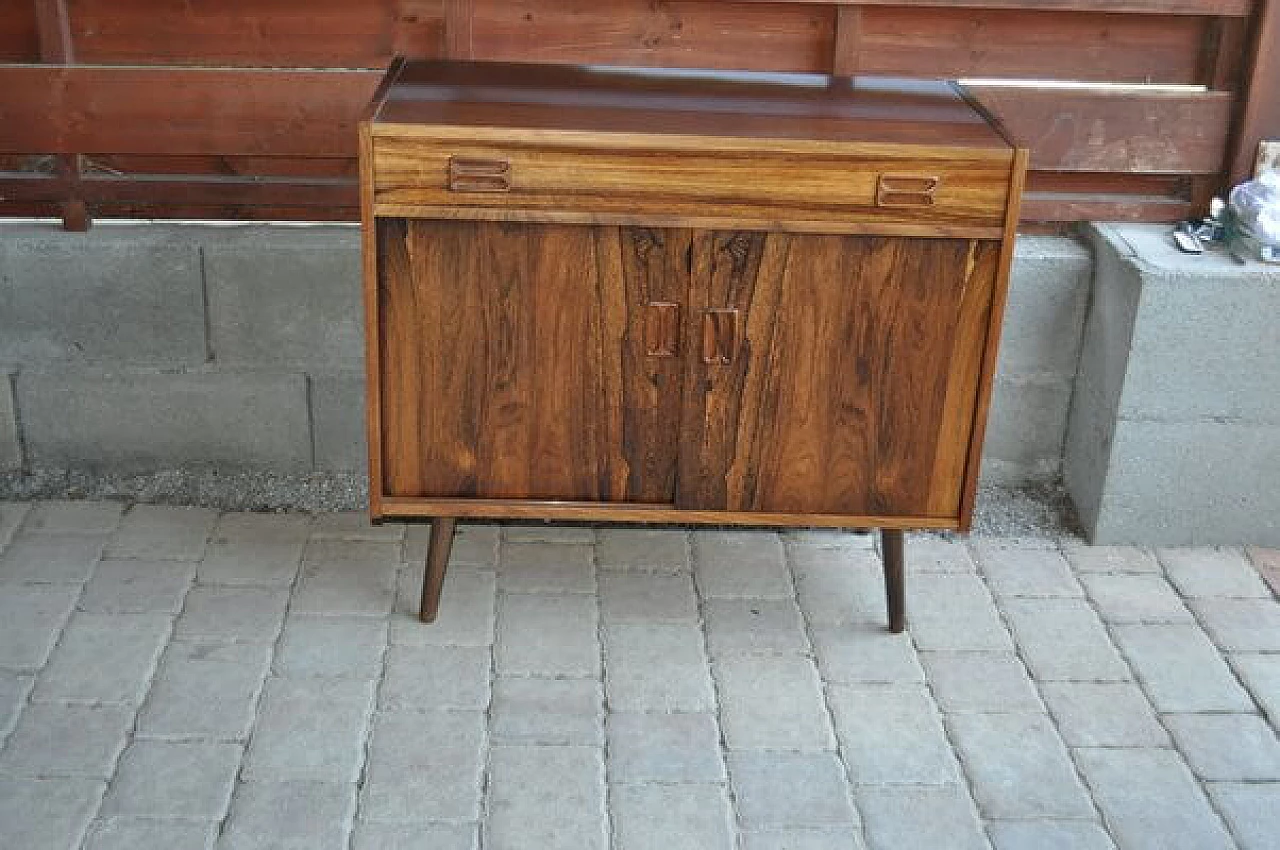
(550, 392)
(834, 402)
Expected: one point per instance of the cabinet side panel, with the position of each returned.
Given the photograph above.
(841, 389)
(507, 363)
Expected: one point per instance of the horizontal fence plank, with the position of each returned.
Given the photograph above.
(19, 35)
(182, 111)
(1027, 44)
(1228, 8)
(1114, 130)
(681, 33)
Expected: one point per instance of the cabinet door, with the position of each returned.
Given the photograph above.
(836, 374)
(530, 360)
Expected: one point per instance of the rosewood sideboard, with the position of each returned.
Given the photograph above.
(632, 295)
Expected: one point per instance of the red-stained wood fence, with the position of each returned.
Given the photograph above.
(247, 108)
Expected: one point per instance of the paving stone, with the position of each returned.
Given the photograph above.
(775, 790)
(647, 597)
(547, 636)
(1020, 571)
(312, 815)
(869, 715)
(311, 729)
(104, 658)
(409, 753)
(665, 549)
(12, 515)
(246, 614)
(980, 682)
(1241, 625)
(47, 813)
(754, 625)
(1049, 835)
(331, 646)
(838, 587)
(14, 689)
(919, 817)
(657, 668)
(1252, 810)
(474, 545)
(1267, 561)
(347, 578)
(1180, 670)
(955, 612)
(525, 810)
(845, 838)
(1103, 714)
(929, 553)
(1150, 800)
(1227, 747)
(147, 834)
(258, 550)
(672, 817)
(831, 538)
(734, 564)
(174, 779)
(431, 836)
(1063, 639)
(436, 677)
(1018, 766)
(1212, 572)
(31, 618)
(548, 532)
(772, 702)
(354, 525)
(73, 517)
(560, 712)
(205, 690)
(1110, 559)
(138, 587)
(863, 653)
(546, 568)
(1261, 674)
(67, 740)
(50, 559)
(162, 533)
(664, 748)
(466, 615)
(1135, 598)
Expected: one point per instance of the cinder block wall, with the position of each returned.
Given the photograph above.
(139, 347)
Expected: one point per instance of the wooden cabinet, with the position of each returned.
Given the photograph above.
(605, 294)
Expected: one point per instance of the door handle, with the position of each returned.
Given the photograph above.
(719, 335)
(479, 175)
(906, 190)
(661, 329)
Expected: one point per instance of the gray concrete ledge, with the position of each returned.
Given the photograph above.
(1174, 429)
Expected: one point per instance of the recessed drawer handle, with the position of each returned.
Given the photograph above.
(906, 190)
(479, 175)
(719, 336)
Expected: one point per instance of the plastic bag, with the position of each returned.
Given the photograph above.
(1255, 218)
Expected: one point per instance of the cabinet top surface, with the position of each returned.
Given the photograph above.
(648, 101)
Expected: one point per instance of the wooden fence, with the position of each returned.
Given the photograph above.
(247, 108)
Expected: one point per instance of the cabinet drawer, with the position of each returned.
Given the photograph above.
(830, 191)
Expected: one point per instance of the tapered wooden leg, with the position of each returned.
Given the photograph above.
(437, 562)
(895, 579)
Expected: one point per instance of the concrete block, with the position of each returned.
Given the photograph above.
(31, 618)
(772, 702)
(1048, 294)
(779, 790)
(525, 810)
(10, 444)
(409, 754)
(338, 420)
(114, 294)
(268, 815)
(205, 690)
(906, 817)
(258, 550)
(1063, 639)
(435, 836)
(104, 658)
(647, 597)
(546, 568)
(1252, 810)
(50, 813)
(436, 678)
(1213, 572)
(659, 817)
(1227, 747)
(736, 564)
(1180, 669)
(754, 625)
(1026, 571)
(310, 729)
(664, 748)
(554, 712)
(1103, 714)
(14, 688)
(161, 532)
(1026, 429)
(331, 647)
(127, 420)
(865, 653)
(840, 838)
(67, 740)
(1151, 801)
(868, 715)
(174, 779)
(44, 559)
(72, 517)
(1135, 598)
(838, 587)
(1261, 674)
(657, 668)
(285, 296)
(145, 834)
(1049, 835)
(1241, 625)
(242, 614)
(665, 549)
(466, 616)
(980, 681)
(1176, 385)
(138, 587)
(547, 636)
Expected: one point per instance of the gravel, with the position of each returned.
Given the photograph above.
(1033, 511)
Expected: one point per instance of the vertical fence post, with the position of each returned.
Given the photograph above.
(457, 29)
(1259, 115)
(54, 28)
